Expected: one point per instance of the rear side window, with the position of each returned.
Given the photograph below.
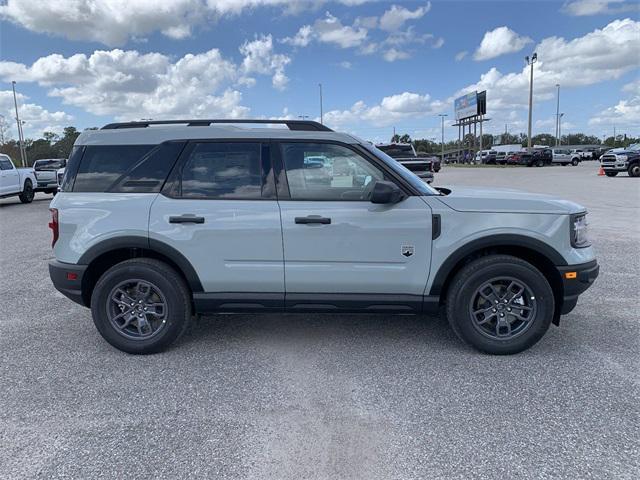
(217, 170)
(103, 165)
(148, 175)
(5, 164)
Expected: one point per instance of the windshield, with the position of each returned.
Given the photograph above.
(404, 172)
(54, 164)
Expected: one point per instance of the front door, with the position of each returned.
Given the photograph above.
(219, 210)
(9, 177)
(337, 244)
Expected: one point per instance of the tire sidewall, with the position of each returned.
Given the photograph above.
(177, 315)
(544, 308)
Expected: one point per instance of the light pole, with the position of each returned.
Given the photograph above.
(442, 115)
(530, 61)
(23, 154)
(558, 115)
(560, 128)
(320, 85)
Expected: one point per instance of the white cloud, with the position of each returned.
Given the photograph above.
(394, 18)
(347, 65)
(37, 118)
(500, 41)
(259, 57)
(580, 8)
(328, 30)
(393, 54)
(113, 22)
(598, 56)
(624, 113)
(391, 109)
(130, 85)
(461, 55)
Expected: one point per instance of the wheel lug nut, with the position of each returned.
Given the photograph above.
(496, 301)
(494, 310)
(502, 314)
(145, 309)
(509, 309)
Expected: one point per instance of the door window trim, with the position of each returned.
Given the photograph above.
(172, 184)
(282, 181)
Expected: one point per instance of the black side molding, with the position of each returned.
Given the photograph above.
(436, 226)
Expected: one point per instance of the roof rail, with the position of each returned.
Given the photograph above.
(306, 125)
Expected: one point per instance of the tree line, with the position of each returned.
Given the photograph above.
(51, 145)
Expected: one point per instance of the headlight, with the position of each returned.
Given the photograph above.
(621, 157)
(579, 237)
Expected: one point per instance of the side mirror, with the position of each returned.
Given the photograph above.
(386, 192)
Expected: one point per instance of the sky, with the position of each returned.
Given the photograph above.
(382, 65)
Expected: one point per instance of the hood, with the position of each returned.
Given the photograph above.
(479, 199)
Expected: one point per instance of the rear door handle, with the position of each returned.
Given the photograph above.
(313, 219)
(187, 218)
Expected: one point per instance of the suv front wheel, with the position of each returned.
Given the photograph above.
(500, 304)
(141, 306)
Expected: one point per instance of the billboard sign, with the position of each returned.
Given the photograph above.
(466, 106)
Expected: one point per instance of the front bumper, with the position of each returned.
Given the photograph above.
(615, 167)
(575, 280)
(67, 278)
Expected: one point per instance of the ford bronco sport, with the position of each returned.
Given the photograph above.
(158, 221)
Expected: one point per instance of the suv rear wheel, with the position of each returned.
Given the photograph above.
(141, 306)
(575, 162)
(500, 304)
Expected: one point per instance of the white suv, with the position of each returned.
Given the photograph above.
(158, 221)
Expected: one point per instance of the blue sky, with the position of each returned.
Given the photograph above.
(382, 64)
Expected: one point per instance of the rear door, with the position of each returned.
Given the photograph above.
(219, 210)
(339, 245)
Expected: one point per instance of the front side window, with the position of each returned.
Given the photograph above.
(217, 170)
(322, 171)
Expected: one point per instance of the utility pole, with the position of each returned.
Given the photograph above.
(2, 129)
(23, 153)
(442, 115)
(558, 115)
(560, 128)
(534, 59)
(320, 85)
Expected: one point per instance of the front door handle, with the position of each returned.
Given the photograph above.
(313, 219)
(187, 218)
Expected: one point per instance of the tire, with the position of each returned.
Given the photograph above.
(634, 170)
(611, 174)
(27, 192)
(539, 163)
(575, 162)
(111, 296)
(484, 334)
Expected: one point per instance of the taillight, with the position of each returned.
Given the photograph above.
(53, 225)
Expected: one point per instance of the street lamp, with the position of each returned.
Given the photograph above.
(442, 115)
(560, 128)
(558, 115)
(530, 61)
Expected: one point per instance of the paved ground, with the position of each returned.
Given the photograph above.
(312, 396)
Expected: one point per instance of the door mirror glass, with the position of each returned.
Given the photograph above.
(386, 192)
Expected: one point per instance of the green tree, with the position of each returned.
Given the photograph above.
(544, 139)
(65, 144)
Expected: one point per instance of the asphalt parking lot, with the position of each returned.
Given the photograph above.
(317, 396)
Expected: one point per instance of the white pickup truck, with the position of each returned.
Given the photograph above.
(16, 181)
(46, 173)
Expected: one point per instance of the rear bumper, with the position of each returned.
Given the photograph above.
(575, 285)
(67, 278)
